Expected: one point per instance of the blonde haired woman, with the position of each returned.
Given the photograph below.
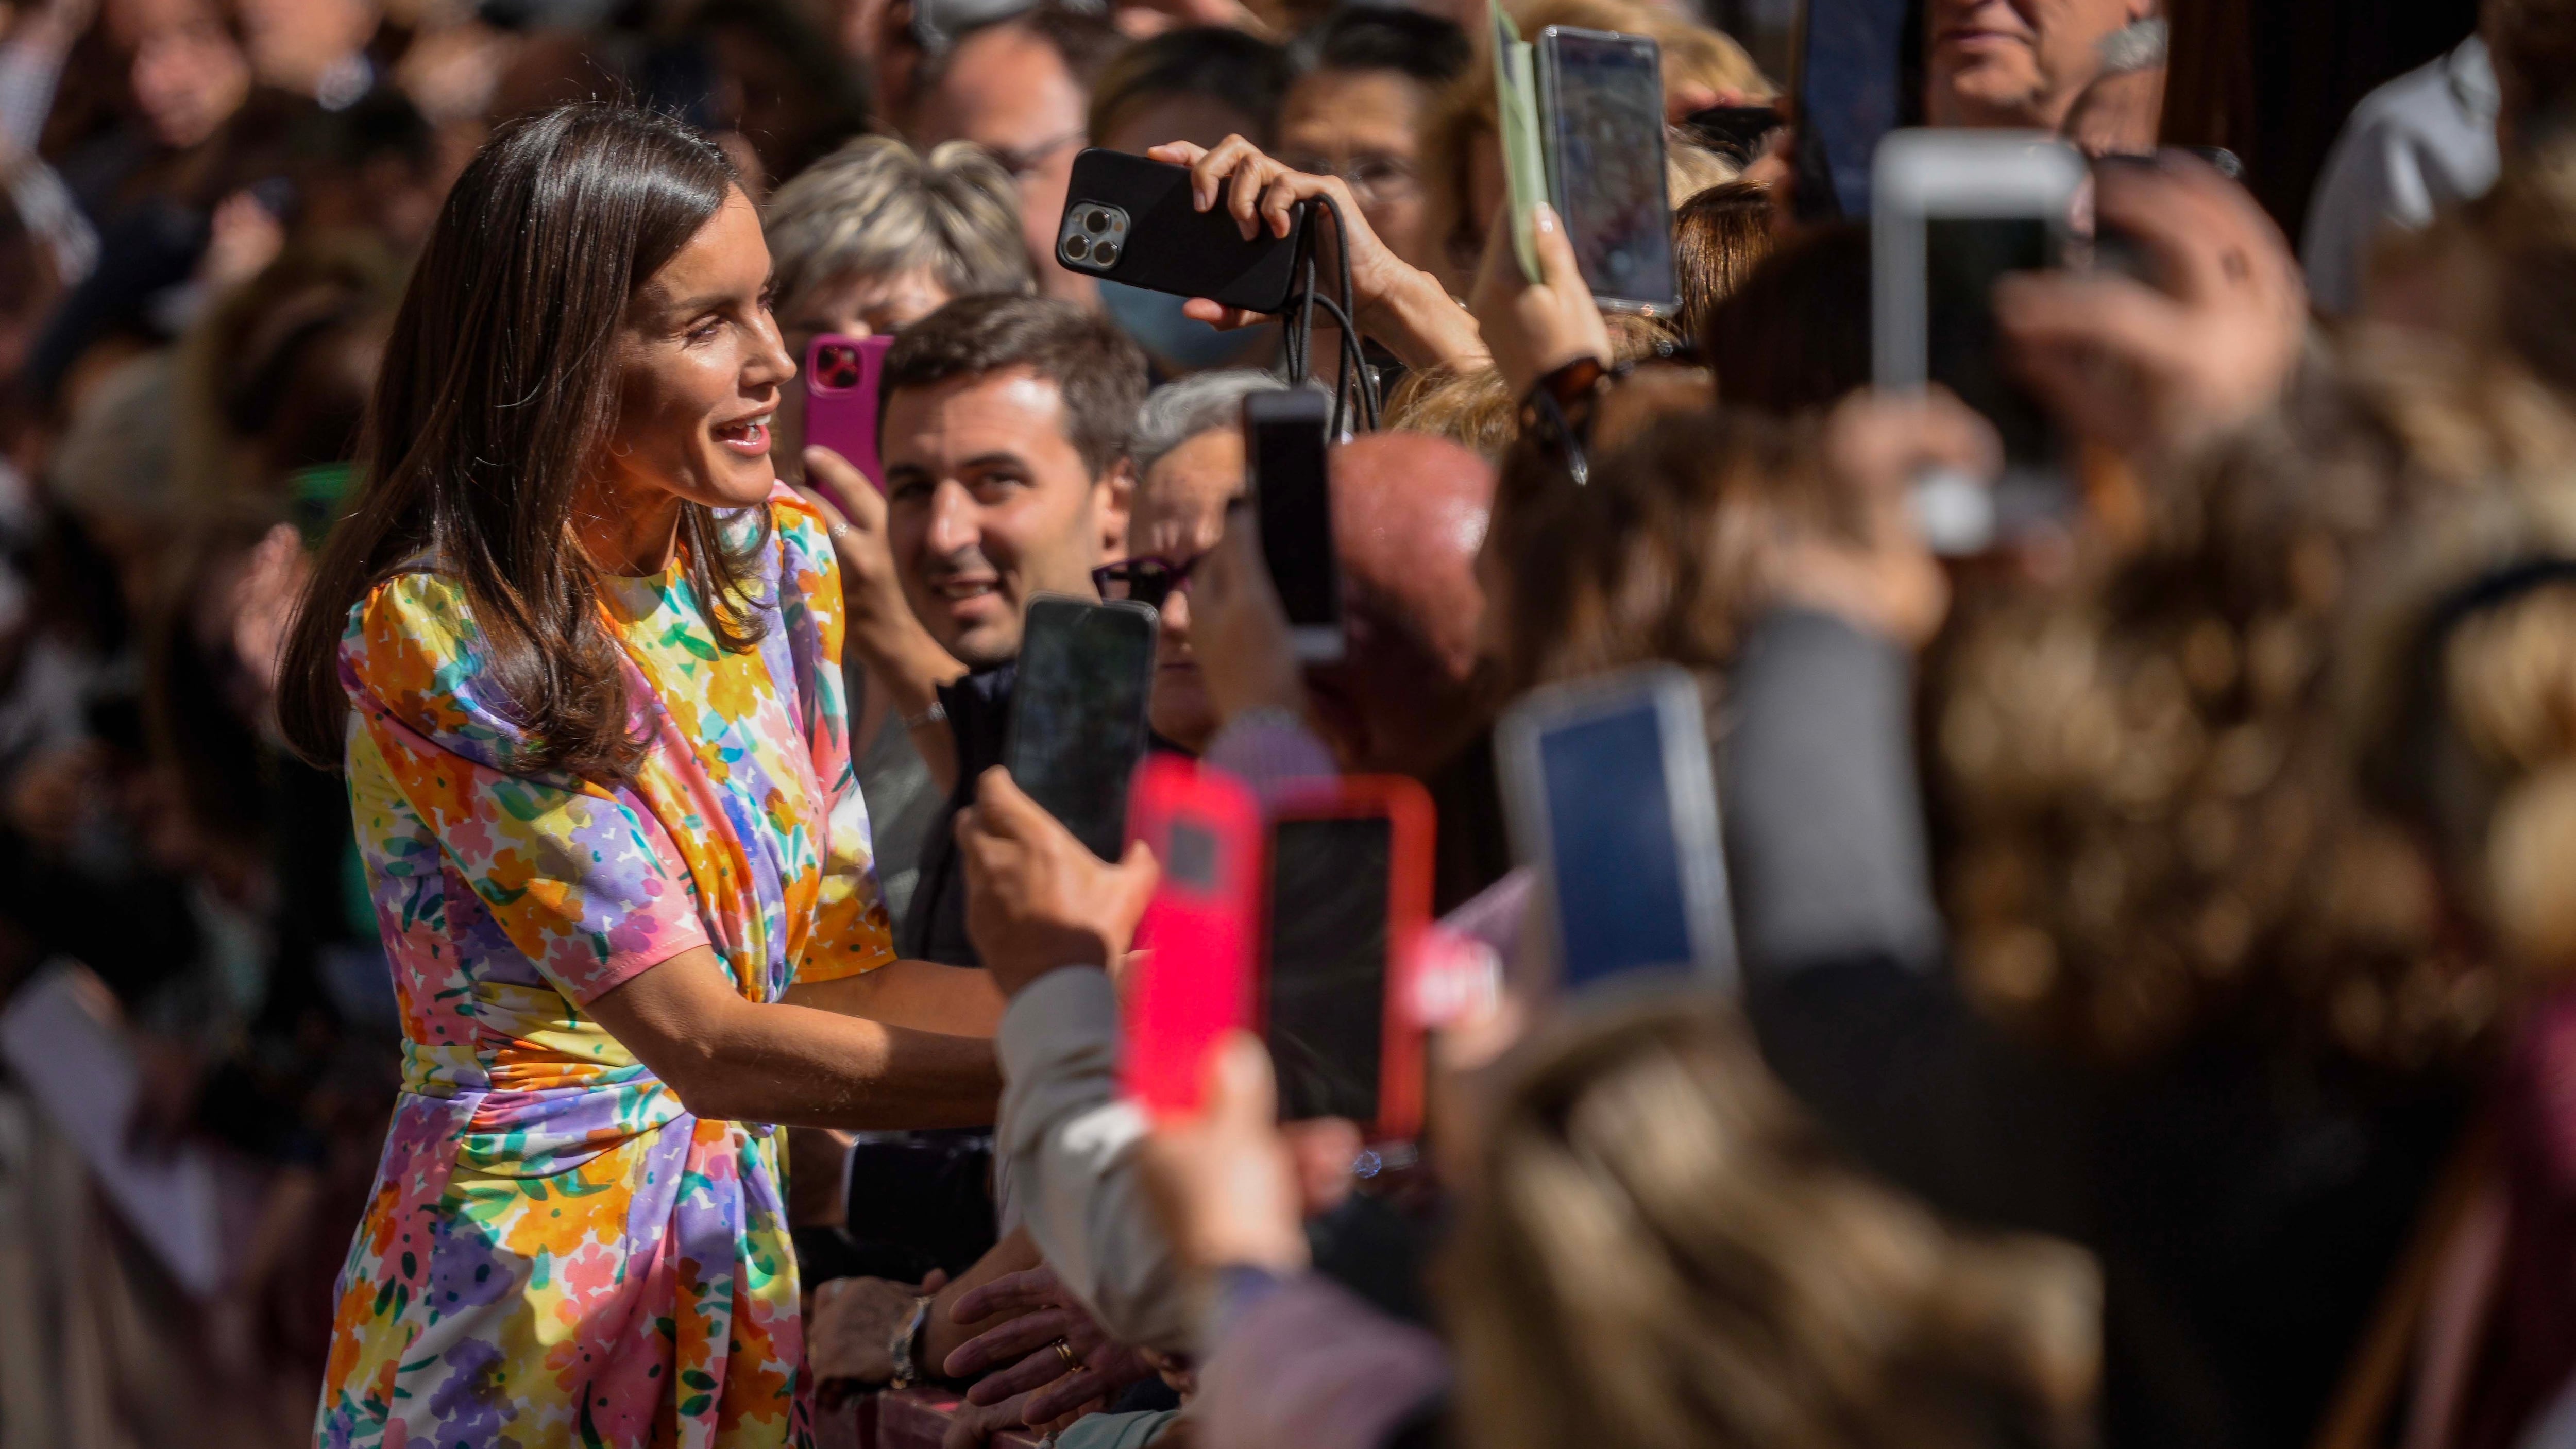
(877, 236)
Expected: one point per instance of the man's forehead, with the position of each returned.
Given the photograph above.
(1016, 401)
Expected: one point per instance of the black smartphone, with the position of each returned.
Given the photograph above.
(1601, 124)
(1283, 449)
(1077, 725)
(1738, 133)
(1129, 220)
(1349, 894)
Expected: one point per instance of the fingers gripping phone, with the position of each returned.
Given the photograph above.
(1077, 726)
(1952, 214)
(1601, 121)
(1284, 450)
(1191, 980)
(1130, 220)
(1348, 897)
(1611, 800)
(841, 398)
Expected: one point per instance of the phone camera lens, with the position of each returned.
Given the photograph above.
(1096, 219)
(1075, 247)
(1106, 254)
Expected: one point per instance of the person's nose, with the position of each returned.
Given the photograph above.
(1176, 615)
(769, 364)
(952, 528)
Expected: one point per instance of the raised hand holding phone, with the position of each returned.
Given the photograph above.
(1036, 898)
(1191, 981)
(1534, 328)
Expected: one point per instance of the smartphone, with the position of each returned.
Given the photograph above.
(1191, 980)
(1348, 899)
(1952, 213)
(1077, 725)
(1601, 125)
(1129, 220)
(1516, 118)
(1611, 801)
(1738, 133)
(841, 399)
(1283, 449)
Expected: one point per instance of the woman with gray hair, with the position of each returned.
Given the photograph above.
(1188, 451)
(875, 237)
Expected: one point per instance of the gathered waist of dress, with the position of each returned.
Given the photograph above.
(539, 1090)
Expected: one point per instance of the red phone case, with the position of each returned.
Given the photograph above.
(841, 399)
(1192, 981)
(1407, 808)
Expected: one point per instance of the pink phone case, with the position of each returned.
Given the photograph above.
(1191, 982)
(841, 399)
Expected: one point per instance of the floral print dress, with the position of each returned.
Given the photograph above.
(557, 1253)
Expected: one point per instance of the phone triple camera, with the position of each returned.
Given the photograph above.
(836, 367)
(1094, 236)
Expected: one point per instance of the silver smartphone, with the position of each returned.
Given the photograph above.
(1612, 802)
(1601, 129)
(1284, 451)
(1951, 214)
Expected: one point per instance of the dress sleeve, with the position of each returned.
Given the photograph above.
(852, 932)
(581, 877)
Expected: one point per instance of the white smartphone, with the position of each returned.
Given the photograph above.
(1951, 214)
(1601, 125)
(1612, 803)
(1284, 452)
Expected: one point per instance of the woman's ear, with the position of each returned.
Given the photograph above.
(1115, 500)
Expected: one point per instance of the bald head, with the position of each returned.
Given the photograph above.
(1409, 513)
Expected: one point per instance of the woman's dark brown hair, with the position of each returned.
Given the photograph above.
(499, 393)
(1719, 237)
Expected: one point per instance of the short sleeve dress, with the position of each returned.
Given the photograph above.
(556, 1253)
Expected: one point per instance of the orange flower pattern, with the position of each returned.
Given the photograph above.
(556, 1252)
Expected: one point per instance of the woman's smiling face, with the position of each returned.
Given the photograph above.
(701, 371)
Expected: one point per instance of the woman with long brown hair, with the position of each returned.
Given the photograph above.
(580, 656)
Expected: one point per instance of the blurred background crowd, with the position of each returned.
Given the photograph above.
(2232, 888)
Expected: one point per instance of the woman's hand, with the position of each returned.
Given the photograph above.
(2151, 370)
(1238, 631)
(1398, 303)
(1533, 329)
(1226, 1185)
(1880, 576)
(1036, 898)
(1041, 1315)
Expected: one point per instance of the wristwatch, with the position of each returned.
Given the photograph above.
(904, 1347)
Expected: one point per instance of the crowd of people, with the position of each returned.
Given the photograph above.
(537, 829)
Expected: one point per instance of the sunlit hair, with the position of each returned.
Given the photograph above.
(1720, 235)
(1660, 1251)
(1202, 402)
(497, 397)
(1657, 556)
(877, 208)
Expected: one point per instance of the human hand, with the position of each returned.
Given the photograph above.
(854, 514)
(2154, 370)
(1532, 329)
(1088, 1366)
(1238, 630)
(974, 1425)
(246, 237)
(1036, 898)
(1877, 573)
(1225, 1184)
(854, 1320)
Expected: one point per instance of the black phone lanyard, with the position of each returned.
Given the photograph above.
(1354, 379)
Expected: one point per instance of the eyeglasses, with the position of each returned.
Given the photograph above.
(1148, 580)
(1373, 175)
(1021, 161)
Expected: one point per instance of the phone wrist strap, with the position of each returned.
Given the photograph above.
(1557, 414)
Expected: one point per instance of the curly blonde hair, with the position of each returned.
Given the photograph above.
(1660, 1251)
